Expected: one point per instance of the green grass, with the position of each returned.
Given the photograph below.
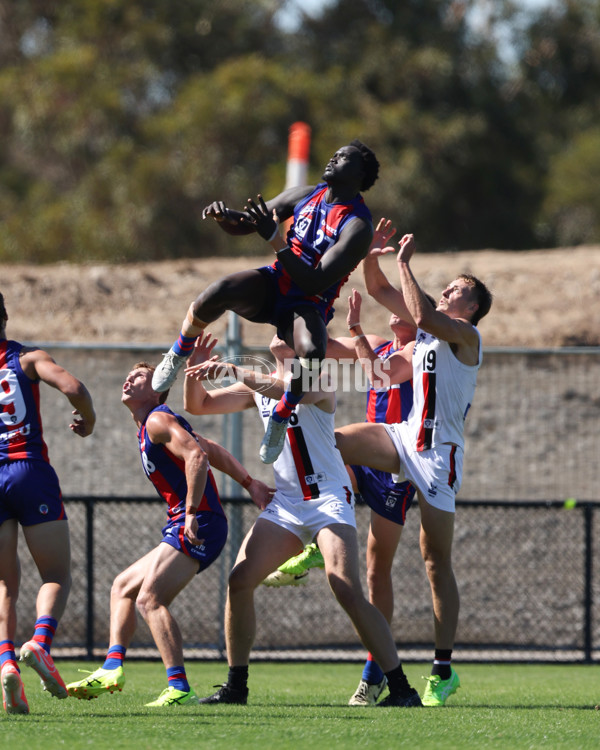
(303, 707)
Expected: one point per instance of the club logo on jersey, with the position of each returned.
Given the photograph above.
(315, 478)
(43, 509)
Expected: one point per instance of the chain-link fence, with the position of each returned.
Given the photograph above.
(524, 562)
(524, 571)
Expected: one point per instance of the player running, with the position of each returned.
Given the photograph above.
(30, 496)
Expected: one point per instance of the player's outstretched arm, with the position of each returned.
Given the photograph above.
(224, 461)
(376, 282)
(39, 364)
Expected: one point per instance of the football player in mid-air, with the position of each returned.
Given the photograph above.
(329, 236)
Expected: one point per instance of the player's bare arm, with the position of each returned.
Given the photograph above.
(381, 373)
(446, 321)
(376, 282)
(343, 347)
(164, 428)
(37, 363)
(221, 459)
(196, 398)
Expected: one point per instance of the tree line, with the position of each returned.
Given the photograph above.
(122, 120)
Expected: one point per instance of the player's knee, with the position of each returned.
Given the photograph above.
(120, 588)
(346, 594)
(379, 577)
(220, 296)
(242, 578)
(146, 603)
(437, 563)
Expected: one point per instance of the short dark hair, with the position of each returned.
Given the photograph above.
(483, 296)
(3, 315)
(162, 397)
(370, 164)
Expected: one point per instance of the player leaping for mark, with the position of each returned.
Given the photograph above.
(330, 234)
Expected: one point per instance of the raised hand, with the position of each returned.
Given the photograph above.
(81, 426)
(381, 238)
(203, 348)
(407, 248)
(354, 305)
(212, 369)
(264, 221)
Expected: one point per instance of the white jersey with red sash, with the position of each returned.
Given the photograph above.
(20, 417)
(443, 390)
(310, 465)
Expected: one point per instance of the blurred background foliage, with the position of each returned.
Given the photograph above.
(121, 120)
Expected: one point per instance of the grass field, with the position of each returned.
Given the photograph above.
(302, 706)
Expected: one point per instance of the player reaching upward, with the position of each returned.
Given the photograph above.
(427, 447)
(313, 500)
(329, 236)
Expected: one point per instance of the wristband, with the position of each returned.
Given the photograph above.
(354, 325)
(358, 336)
(247, 482)
(275, 233)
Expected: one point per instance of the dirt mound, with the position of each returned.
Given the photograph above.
(543, 298)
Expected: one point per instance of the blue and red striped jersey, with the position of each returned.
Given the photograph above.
(167, 472)
(316, 227)
(21, 434)
(393, 404)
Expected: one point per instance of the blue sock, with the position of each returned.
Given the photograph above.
(43, 632)
(114, 657)
(7, 652)
(177, 679)
(184, 345)
(284, 408)
(372, 672)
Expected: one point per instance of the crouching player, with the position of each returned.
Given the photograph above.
(177, 462)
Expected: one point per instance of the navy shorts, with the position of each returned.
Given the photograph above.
(279, 309)
(30, 492)
(212, 527)
(387, 498)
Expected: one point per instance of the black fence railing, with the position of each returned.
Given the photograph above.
(525, 574)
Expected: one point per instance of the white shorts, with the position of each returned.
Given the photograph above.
(305, 518)
(436, 473)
